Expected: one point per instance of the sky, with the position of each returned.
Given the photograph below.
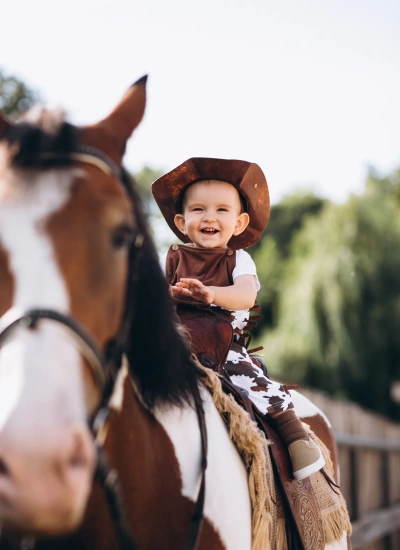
(308, 89)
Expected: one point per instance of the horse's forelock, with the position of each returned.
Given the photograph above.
(42, 138)
(158, 355)
(48, 120)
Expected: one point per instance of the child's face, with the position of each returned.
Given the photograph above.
(211, 214)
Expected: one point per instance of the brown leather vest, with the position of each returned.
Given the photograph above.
(209, 327)
(211, 266)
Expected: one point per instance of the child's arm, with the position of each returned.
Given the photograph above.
(241, 295)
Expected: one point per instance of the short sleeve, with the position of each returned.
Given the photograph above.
(245, 266)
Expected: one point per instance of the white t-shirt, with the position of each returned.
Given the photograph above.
(244, 266)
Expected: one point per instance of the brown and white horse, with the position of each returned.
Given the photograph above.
(80, 290)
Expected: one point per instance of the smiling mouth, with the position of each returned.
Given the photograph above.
(209, 231)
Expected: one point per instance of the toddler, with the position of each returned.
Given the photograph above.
(218, 207)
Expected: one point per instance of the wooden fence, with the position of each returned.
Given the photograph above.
(369, 454)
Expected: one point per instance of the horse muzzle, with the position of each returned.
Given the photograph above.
(46, 493)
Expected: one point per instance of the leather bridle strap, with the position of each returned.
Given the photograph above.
(89, 155)
(13, 319)
(109, 481)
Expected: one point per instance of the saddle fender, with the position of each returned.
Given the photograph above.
(210, 335)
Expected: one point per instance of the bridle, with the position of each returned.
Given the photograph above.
(104, 367)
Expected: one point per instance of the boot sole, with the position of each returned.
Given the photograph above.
(309, 470)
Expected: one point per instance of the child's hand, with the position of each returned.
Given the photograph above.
(195, 289)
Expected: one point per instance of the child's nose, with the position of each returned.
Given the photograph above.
(207, 216)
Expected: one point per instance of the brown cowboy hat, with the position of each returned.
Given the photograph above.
(247, 177)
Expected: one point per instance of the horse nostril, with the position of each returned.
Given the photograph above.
(3, 468)
(80, 454)
(78, 458)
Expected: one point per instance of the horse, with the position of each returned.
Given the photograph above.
(102, 406)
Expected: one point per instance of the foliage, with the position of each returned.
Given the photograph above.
(144, 178)
(15, 96)
(339, 299)
(288, 216)
(160, 230)
(269, 267)
(270, 254)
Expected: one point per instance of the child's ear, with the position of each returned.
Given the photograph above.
(180, 223)
(242, 222)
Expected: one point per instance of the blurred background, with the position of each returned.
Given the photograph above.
(307, 89)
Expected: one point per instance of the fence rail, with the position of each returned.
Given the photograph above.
(378, 524)
(369, 455)
(357, 442)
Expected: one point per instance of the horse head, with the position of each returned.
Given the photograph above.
(81, 289)
(69, 231)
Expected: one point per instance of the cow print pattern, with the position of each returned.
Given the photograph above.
(268, 396)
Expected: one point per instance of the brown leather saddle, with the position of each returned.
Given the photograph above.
(210, 334)
(304, 527)
(211, 337)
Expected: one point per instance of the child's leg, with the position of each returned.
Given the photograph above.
(267, 396)
(306, 456)
(271, 398)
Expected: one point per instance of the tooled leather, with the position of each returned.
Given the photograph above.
(304, 526)
(299, 493)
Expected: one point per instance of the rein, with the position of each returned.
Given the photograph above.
(104, 367)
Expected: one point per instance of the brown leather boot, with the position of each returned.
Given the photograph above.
(306, 457)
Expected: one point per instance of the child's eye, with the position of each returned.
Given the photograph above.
(222, 210)
(197, 209)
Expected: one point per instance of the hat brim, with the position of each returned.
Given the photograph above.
(246, 177)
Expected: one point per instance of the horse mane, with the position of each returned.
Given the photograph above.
(43, 140)
(159, 357)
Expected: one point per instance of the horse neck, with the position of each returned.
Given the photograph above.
(139, 449)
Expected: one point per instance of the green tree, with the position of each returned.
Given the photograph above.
(15, 96)
(162, 234)
(288, 216)
(339, 306)
(269, 264)
(271, 253)
(144, 178)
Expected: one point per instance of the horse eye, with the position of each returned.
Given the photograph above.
(122, 237)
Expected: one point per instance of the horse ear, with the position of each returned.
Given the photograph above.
(4, 125)
(119, 125)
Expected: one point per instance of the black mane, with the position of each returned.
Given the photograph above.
(37, 147)
(158, 355)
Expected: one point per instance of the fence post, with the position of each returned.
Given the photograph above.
(354, 475)
(387, 540)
